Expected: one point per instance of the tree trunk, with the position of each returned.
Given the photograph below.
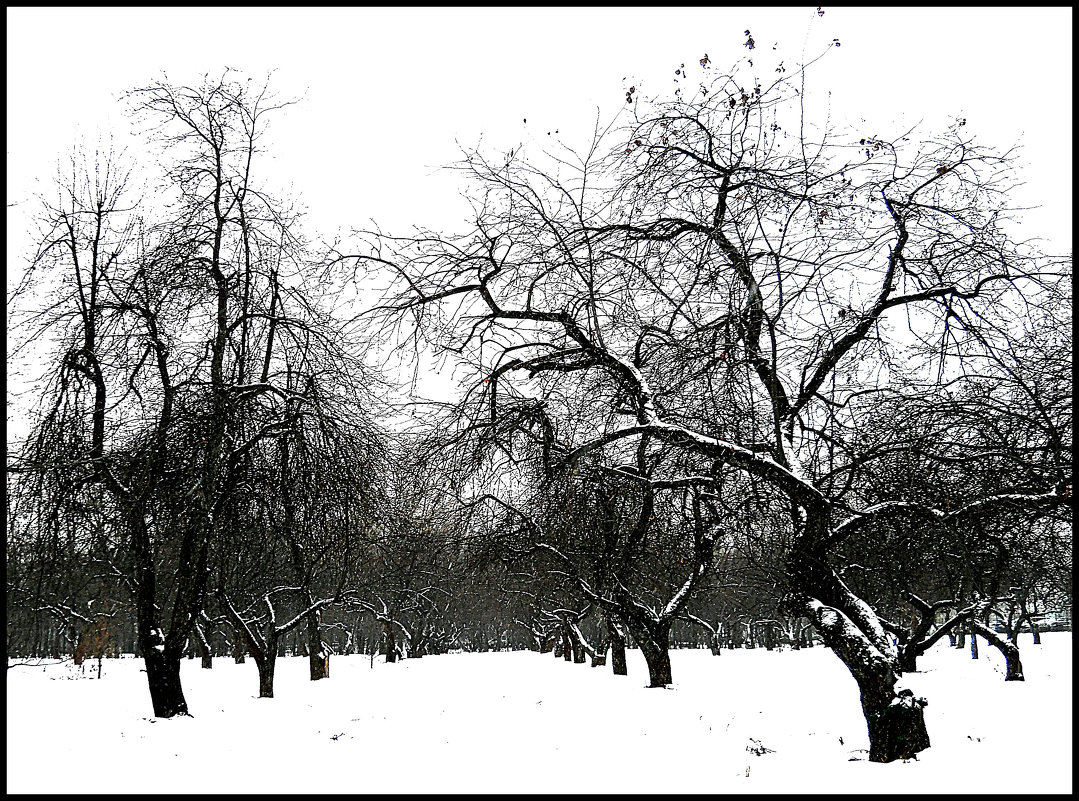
(266, 665)
(849, 627)
(715, 641)
(973, 645)
(567, 645)
(581, 646)
(418, 640)
(578, 651)
(1037, 633)
(1014, 667)
(391, 642)
(896, 721)
(239, 653)
(618, 647)
(204, 648)
(961, 638)
(318, 659)
(654, 642)
(163, 676)
(897, 729)
(354, 640)
(908, 659)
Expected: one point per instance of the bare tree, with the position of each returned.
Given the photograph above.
(726, 280)
(172, 329)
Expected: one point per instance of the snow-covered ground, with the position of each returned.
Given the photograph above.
(525, 722)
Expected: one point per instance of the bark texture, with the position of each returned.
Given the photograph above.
(654, 642)
(163, 677)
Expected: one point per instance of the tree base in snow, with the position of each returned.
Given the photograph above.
(898, 732)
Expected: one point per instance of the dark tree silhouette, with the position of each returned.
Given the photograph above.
(722, 278)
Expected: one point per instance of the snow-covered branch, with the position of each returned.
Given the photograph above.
(972, 509)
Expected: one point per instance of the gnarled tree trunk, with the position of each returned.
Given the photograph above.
(895, 720)
(654, 641)
(1013, 666)
(597, 653)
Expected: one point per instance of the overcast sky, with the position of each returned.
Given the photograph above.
(387, 94)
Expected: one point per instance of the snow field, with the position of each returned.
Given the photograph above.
(525, 722)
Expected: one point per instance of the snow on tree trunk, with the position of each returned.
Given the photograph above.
(567, 645)
(895, 721)
(163, 676)
(599, 658)
(618, 649)
(1013, 666)
(318, 659)
(578, 652)
(204, 648)
(654, 642)
(581, 646)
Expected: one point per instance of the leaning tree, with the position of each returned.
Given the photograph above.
(719, 275)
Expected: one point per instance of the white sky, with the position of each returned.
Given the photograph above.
(388, 93)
